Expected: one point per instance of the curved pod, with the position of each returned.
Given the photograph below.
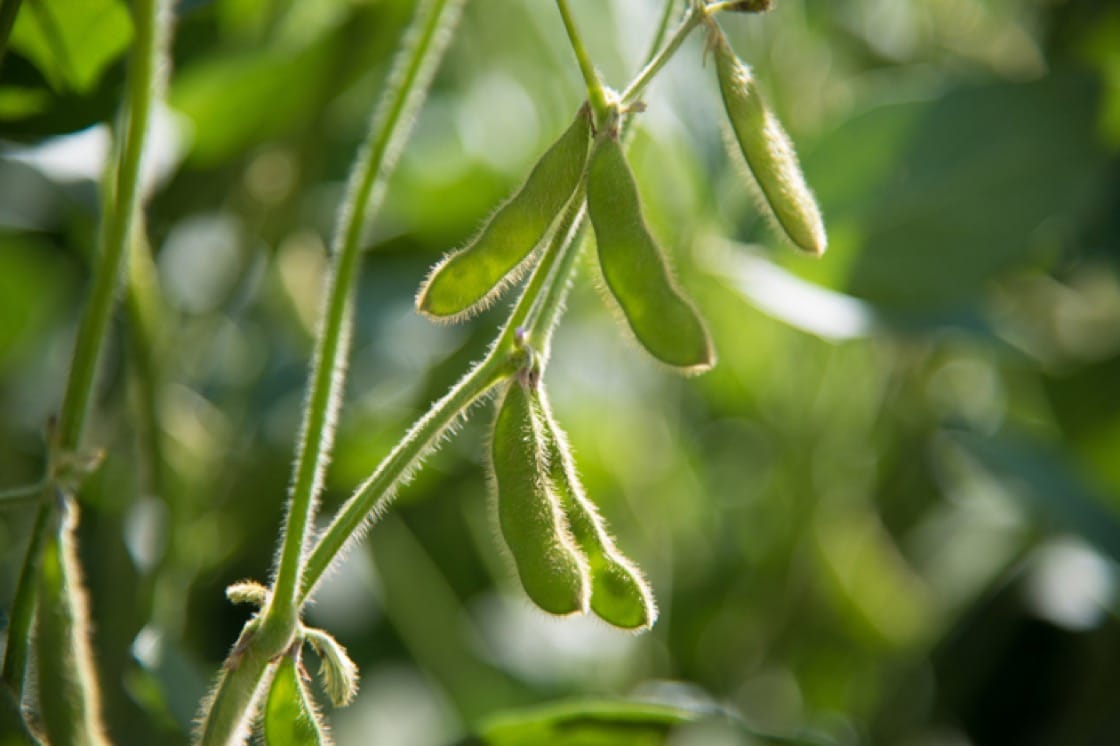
(469, 279)
(663, 320)
(551, 569)
(769, 152)
(619, 594)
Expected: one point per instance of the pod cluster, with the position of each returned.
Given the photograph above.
(566, 560)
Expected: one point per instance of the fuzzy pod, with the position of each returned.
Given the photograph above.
(664, 321)
(551, 569)
(290, 718)
(769, 152)
(469, 279)
(69, 698)
(620, 594)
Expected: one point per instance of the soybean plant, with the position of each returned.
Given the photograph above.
(565, 557)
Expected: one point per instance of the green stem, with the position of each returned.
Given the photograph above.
(372, 498)
(550, 278)
(695, 16)
(572, 226)
(231, 706)
(392, 121)
(595, 91)
(123, 195)
(9, 9)
(24, 494)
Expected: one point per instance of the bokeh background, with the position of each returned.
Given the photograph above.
(890, 515)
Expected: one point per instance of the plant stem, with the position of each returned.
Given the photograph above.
(372, 498)
(550, 277)
(409, 81)
(123, 198)
(595, 91)
(695, 16)
(24, 494)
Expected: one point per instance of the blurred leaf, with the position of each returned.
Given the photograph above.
(289, 720)
(958, 188)
(72, 41)
(1043, 477)
(237, 101)
(593, 723)
(870, 573)
(16, 103)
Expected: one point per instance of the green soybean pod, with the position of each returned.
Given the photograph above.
(69, 698)
(619, 594)
(290, 718)
(552, 571)
(769, 152)
(636, 273)
(468, 280)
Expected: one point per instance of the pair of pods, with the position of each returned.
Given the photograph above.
(566, 560)
(634, 267)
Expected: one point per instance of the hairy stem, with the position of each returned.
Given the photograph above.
(595, 92)
(695, 16)
(409, 81)
(373, 496)
(122, 199)
(539, 305)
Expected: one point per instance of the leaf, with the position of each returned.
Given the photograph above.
(1045, 480)
(592, 723)
(470, 279)
(289, 718)
(338, 672)
(72, 41)
(662, 319)
(979, 182)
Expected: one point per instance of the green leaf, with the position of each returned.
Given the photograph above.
(662, 319)
(289, 718)
(552, 571)
(72, 41)
(962, 189)
(470, 279)
(337, 671)
(592, 723)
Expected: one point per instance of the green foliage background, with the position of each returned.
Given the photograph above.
(889, 516)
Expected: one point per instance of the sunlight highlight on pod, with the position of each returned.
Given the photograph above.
(769, 151)
(468, 280)
(664, 321)
(619, 594)
(552, 571)
(69, 698)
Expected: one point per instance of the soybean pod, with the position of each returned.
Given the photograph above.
(769, 152)
(468, 280)
(290, 718)
(69, 698)
(635, 270)
(619, 594)
(551, 569)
